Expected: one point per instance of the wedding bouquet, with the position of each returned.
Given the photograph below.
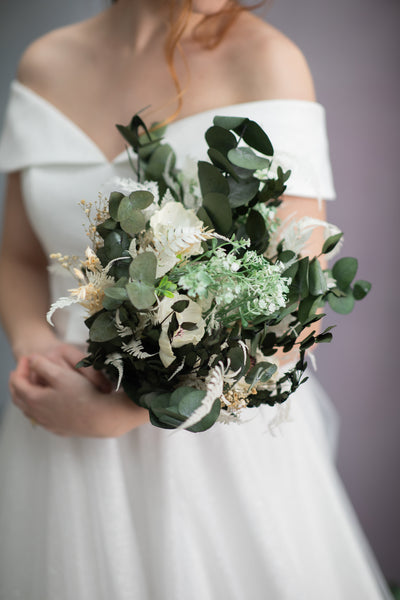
(196, 292)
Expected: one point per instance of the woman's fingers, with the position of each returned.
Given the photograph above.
(73, 355)
(47, 371)
(24, 393)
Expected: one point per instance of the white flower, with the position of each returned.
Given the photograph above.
(191, 314)
(174, 214)
(176, 231)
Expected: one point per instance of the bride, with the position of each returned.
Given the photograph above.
(96, 503)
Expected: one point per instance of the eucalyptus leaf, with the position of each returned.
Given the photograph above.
(105, 227)
(117, 293)
(331, 243)
(113, 204)
(317, 280)
(158, 160)
(344, 271)
(361, 289)
(247, 159)
(141, 199)
(142, 295)
(342, 304)
(323, 338)
(286, 256)
(236, 356)
(229, 122)
(302, 277)
(112, 245)
(241, 192)
(308, 308)
(134, 223)
(211, 179)
(256, 229)
(261, 372)
(203, 216)
(217, 206)
(143, 268)
(103, 328)
(256, 137)
(221, 139)
(219, 160)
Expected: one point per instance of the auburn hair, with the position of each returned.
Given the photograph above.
(209, 32)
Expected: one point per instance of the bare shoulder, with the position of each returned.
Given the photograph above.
(270, 64)
(49, 59)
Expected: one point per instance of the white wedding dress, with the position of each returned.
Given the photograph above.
(237, 512)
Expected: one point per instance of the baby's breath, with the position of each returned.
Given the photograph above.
(241, 287)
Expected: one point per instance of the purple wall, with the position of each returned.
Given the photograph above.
(352, 49)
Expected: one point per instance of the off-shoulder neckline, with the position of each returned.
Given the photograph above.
(174, 124)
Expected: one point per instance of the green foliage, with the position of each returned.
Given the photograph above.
(238, 194)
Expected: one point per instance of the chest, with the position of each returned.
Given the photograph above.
(113, 90)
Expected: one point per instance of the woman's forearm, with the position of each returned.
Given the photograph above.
(24, 301)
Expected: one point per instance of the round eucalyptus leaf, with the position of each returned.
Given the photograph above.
(134, 223)
(220, 138)
(113, 204)
(229, 122)
(203, 216)
(112, 245)
(361, 289)
(238, 359)
(190, 400)
(219, 160)
(344, 271)
(241, 192)
(103, 328)
(247, 159)
(117, 293)
(106, 226)
(110, 303)
(256, 137)
(142, 295)
(342, 304)
(158, 161)
(143, 268)
(141, 199)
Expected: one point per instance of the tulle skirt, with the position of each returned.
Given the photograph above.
(244, 512)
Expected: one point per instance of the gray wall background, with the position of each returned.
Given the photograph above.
(352, 48)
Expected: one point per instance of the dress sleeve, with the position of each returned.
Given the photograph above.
(36, 133)
(298, 132)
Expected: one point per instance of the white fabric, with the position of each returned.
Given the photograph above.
(36, 133)
(235, 512)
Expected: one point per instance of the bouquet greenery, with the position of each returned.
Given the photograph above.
(195, 290)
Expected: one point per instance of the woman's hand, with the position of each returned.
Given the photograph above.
(66, 403)
(67, 355)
